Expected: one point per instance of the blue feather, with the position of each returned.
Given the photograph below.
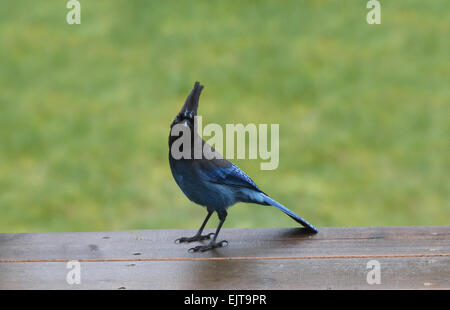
(294, 216)
(231, 176)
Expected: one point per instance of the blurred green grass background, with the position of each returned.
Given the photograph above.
(85, 110)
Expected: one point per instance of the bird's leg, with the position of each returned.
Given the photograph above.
(198, 236)
(213, 244)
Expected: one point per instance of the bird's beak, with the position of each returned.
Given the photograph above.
(190, 107)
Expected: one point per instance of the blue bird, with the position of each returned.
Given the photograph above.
(213, 183)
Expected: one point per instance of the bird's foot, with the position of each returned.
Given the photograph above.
(210, 246)
(194, 238)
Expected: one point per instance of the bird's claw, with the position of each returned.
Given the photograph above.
(212, 245)
(194, 238)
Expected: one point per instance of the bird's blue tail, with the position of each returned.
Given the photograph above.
(294, 216)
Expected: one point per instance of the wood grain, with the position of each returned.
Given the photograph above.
(335, 258)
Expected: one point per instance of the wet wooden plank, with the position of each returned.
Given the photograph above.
(336, 258)
(396, 273)
(242, 243)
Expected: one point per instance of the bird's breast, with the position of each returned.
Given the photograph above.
(198, 190)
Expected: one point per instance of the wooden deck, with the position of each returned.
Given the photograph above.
(335, 258)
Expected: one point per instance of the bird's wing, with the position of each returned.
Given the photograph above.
(221, 171)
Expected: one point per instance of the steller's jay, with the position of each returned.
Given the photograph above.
(213, 183)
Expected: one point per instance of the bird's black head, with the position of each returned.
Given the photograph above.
(189, 109)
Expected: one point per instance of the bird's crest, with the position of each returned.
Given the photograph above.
(189, 109)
